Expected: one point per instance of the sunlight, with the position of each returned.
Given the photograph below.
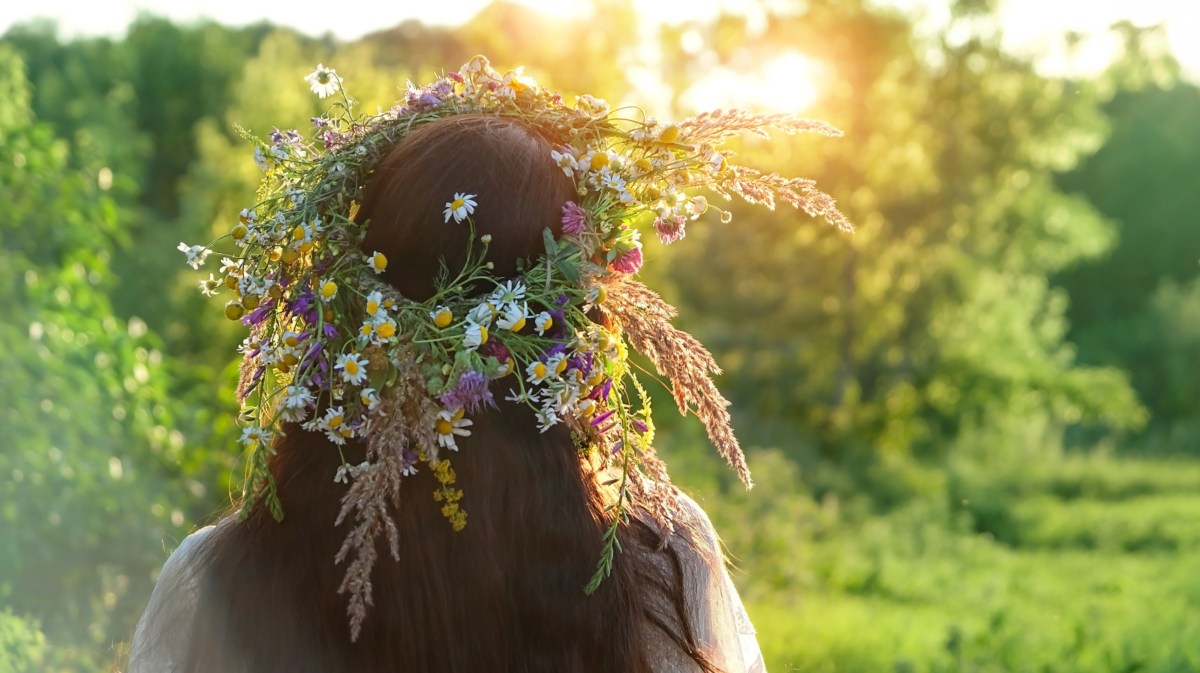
(786, 83)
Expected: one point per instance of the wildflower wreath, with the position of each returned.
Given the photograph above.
(337, 350)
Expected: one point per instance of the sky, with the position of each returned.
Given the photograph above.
(1029, 25)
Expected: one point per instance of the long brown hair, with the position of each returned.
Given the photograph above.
(504, 594)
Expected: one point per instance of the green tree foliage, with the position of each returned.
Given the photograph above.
(92, 482)
(1130, 308)
(937, 313)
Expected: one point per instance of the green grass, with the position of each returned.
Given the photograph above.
(1098, 572)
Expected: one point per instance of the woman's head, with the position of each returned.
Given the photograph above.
(519, 189)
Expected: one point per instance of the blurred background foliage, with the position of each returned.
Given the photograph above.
(974, 423)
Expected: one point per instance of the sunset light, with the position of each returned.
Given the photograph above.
(786, 83)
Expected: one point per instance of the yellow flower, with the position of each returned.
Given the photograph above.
(378, 262)
(599, 160)
(366, 329)
(669, 134)
(373, 301)
(234, 310)
(328, 290)
(386, 330)
(442, 317)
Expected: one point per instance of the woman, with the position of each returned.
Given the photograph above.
(475, 292)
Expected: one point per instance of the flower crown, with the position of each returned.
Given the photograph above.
(337, 350)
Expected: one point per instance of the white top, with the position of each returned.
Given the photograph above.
(721, 625)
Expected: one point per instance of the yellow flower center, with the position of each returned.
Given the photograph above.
(483, 334)
(599, 160)
(329, 289)
(444, 427)
(561, 366)
(456, 204)
(239, 232)
(351, 367)
(520, 323)
(380, 261)
(372, 307)
(298, 232)
(386, 330)
(366, 329)
(443, 318)
(335, 422)
(670, 134)
(547, 324)
(539, 370)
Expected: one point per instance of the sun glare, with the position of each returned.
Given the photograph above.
(786, 83)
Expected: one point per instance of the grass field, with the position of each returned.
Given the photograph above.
(1089, 565)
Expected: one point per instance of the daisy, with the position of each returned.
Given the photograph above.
(378, 262)
(323, 81)
(196, 254)
(462, 206)
(369, 398)
(448, 425)
(386, 329)
(565, 161)
(543, 322)
(297, 397)
(209, 286)
(509, 292)
(441, 317)
(374, 302)
(254, 435)
(332, 422)
(476, 335)
(546, 419)
(353, 368)
(482, 314)
(328, 290)
(513, 317)
(537, 372)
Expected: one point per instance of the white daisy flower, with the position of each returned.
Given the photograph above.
(196, 254)
(353, 368)
(510, 291)
(254, 435)
(476, 335)
(542, 322)
(297, 397)
(374, 304)
(565, 161)
(333, 423)
(519, 398)
(482, 314)
(461, 207)
(209, 286)
(323, 81)
(378, 262)
(369, 398)
(513, 317)
(537, 372)
(546, 419)
(448, 425)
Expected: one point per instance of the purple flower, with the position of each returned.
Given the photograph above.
(332, 139)
(574, 218)
(670, 229)
(603, 417)
(329, 331)
(628, 262)
(470, 393)
(259, 314)
(640, 426)
(601, 391)
(320, 122)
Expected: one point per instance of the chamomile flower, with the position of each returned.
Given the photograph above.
(482, 314)
(385, 330)
(460, 208)
(378, 262)
(374, 303)
(329, 290)
(448, 425)
(565, 161)
(512, 317)
(510, 291)
(542, 322)
(476, 335)
(546, 419)
(352, 367)
(323, 81)
(537, 372)
(254, 435)
(196, 254)
(369, 398)
(297, 397)
(441, 317)
(209, 286)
